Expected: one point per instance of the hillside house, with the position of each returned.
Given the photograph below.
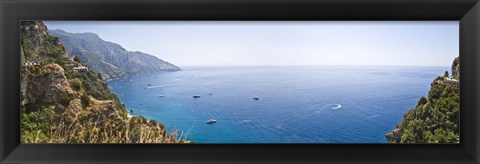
(28, 63)
(80, 69)
(33, 62)
(451, 80)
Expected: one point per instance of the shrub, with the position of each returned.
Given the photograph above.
(85, 99)
(76, 84)
(77, 59)
(65, 98)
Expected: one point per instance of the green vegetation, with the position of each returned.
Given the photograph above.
(52, 50)
(435, 119)
(40, 45)
(65, 98)
(76, 84)
(36, 122)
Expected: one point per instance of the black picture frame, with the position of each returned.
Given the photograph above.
(465, 11)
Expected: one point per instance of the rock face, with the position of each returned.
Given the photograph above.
(435, 119)
(394, 136)
(41, 84)
(456, 68)
(110, 59)
(42, 41)
(45, 85)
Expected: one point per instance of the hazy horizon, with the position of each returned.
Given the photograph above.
(282, 43)
(266, 65)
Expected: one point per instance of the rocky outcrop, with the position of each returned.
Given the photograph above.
(110, 59)
(44, 85)
(456, 68)
(42, 41)
(394, 136)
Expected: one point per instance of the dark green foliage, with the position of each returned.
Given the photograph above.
(37, 122)
(422, 101)
(27, 45)
(77, 59)
(50, 49)
(85, 99)
(92, 84)
(76, 84)
(65, 98)
(436, 119)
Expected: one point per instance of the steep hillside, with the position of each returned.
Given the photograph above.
(436, 118)
(110, 59)
(62, 104)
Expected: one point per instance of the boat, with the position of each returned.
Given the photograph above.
(149, 84)
(196, 96)
(256, 98)
(211, 121)
(161, 95)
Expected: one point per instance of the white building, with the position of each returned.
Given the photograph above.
(32, 62)
(28, 63)
(80, 69)
(451, 80)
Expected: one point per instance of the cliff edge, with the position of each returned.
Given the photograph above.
(436, 118)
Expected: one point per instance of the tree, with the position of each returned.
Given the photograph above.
(422, 101)
(85, 99)
(76, 84)
(445, 74)
(99, 75)
(76, 58)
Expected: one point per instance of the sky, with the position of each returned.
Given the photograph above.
(223, 43)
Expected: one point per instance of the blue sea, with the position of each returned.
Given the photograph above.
(297, 104)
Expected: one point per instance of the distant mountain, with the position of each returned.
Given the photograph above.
(110, 59)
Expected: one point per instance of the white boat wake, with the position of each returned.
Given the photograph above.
(331, 106)
(373, 116)
(337, 106)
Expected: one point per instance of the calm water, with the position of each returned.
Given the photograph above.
(298, 104)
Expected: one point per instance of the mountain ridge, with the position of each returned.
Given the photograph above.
(108, 58)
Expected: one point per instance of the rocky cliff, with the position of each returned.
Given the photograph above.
(436, 118)
(60, 105)
(456, 68)
(44, 85)
(110, 59)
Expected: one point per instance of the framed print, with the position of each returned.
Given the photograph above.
(247, 82)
